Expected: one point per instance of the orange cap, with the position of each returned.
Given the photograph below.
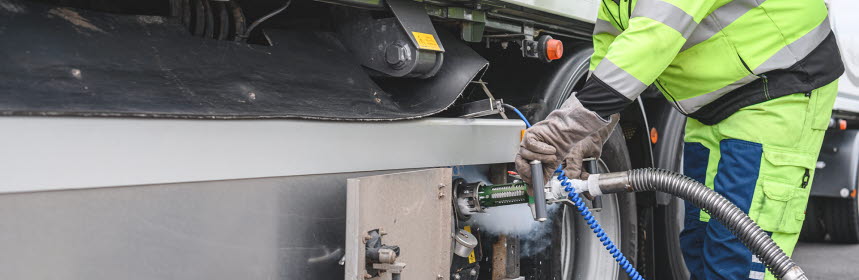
(654, 135)
(842, 124)
(554, 49)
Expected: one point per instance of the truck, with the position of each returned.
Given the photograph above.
(327, 139)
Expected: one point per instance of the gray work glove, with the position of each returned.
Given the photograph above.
(590, 147)
(552, 139)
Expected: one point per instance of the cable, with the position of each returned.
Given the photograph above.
(521, 116)
(264, 18)
(592, 222)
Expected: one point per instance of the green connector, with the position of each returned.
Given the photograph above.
(504, 194)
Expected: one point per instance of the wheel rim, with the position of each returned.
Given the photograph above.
(568, 238)
(591, 259)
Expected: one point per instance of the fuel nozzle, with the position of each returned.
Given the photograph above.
(537, 187)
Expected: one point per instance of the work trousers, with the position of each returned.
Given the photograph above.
(761, 158)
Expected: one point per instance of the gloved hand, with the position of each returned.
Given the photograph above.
(552, 139)
(590, 147)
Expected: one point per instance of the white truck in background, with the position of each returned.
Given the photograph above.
(833, 211)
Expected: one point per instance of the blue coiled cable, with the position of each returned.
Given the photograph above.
(588, 216)
(595, 226)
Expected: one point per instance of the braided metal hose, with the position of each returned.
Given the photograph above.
(652, 179)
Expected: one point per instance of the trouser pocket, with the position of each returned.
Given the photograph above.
(784, 189)
(782, 207)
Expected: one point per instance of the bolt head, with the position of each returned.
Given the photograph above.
(397, 55)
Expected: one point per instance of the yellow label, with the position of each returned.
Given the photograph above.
(471, 257)
(426, 41)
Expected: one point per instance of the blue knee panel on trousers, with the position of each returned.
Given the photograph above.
(710, 249)
(695, 160)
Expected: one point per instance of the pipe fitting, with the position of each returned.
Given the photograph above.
(616, 182)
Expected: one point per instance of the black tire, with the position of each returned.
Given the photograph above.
(812, 227)
(573, 248)
(668, 221)
(837, 217)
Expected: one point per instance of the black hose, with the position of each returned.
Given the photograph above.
(264, 18)
(652, 179)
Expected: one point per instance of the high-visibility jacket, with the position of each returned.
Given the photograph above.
(709, 57)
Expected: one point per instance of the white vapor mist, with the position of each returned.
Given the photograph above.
(516, 220)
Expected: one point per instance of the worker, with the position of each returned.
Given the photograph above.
(757, 80)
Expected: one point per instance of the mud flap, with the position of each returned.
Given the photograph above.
(72, 62)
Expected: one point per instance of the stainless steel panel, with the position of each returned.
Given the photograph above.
(414, 208)
(271, 228)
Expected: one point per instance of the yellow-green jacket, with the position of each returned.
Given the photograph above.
(709, 57)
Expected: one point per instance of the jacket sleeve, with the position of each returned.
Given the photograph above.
(626, 62)
(606, 29)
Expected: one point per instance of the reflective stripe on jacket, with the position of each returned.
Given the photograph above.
(709, 57)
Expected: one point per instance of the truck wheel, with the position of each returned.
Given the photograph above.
(670, 223)
(575, 253)
(812, 227)
(668, 219)
(839, 218)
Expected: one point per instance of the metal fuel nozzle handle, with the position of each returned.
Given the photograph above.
(537, 185)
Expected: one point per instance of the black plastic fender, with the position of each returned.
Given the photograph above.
(74, 62)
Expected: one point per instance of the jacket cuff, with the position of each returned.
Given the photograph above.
(597, 96)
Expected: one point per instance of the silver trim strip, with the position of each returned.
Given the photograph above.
(692, 105)
(718, 19)
(797, 50)
(605, 27)
(619, 79)
(667, 14)
(53, 153)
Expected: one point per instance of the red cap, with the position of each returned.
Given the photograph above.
(554, 49)
(842, 124)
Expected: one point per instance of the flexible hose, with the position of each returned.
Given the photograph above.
(758, 241)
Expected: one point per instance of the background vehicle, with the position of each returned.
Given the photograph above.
(833, 212)
(236, 139)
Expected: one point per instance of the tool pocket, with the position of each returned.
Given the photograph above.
(784, 191)
(783, 207)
